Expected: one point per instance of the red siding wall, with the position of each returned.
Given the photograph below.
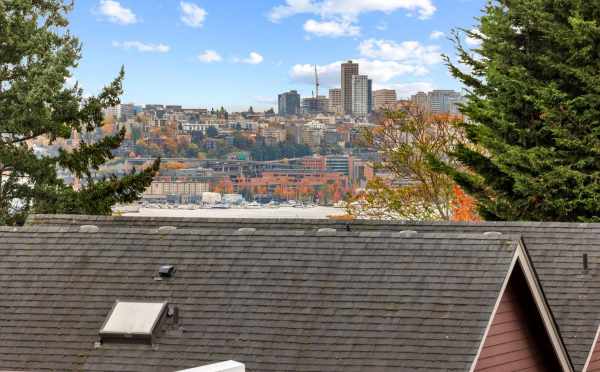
(594, 365)
(517, 340)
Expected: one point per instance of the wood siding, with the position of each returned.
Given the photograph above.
(517, 340)
(594, 365)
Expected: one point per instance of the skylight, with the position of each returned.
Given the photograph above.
(133, 319)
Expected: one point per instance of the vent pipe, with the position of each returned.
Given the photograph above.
(585, 261)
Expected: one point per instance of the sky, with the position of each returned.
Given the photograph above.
(241, 53)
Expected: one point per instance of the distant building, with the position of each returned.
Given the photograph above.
(384, 98)
(121, 112)
(289, 103)
(311, 137)
(317, 105)
(348, 70)
(360, 95)
(314, 162)
(441, 101)
(421, 100)
(160, 187)
(154, 107)
(339, 163)
(197, 127)
(370, 96)
(274, 136)
(336, 103)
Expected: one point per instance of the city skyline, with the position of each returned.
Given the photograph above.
(184, 52)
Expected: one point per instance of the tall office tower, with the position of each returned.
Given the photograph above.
(349, 69)
(440, 101)
(370, 96)
(289, 103)
(360, 95)
(384, 98)
(421, 100)
(336, 104)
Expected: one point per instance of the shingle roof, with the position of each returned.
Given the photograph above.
(275, 300)
(556, 250)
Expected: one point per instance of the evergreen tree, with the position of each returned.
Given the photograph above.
(533, 105)
(37, 55)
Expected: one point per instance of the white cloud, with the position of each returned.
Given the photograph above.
(292, 7)
(436, 35)
(331, 28)
(142, 47)
(474, 41)
(210, 56)
(411, 52)
(116, 13)
(381, 72)
(382, 26)
(405, 90)
(350, 9)
(192, 15)
(253, 59)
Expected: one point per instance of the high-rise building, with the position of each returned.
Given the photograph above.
(441, 101)
(336, 104)
(370, 96)
(384, 98)
(421, 100)
(289, 103)
(349, 69)
(314, 105)
(360, 95)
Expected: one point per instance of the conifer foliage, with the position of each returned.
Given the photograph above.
(533, 109)
(37, 56)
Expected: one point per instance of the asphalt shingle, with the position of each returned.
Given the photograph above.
(274, 300)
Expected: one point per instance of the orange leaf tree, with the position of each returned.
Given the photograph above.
(406, 187)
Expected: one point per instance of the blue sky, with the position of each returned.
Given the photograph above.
(237, 53)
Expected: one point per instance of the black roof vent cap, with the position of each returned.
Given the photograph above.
(166, 271)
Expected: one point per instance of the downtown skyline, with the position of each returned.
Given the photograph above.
(239, 54)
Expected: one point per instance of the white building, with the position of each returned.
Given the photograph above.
(197, 127)
(360, 95)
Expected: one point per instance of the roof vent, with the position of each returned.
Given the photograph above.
(228, 366)
(348, 227)
(132, 321)
(492, 234)
(407, 233)
(246, 230)
(88, 229)
(166, 229)
(166, 271)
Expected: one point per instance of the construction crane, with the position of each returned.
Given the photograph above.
(317, 82)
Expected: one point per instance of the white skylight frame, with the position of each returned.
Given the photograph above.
(133, 319)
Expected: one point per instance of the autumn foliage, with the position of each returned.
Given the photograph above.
(463, 207)
(405, 186)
